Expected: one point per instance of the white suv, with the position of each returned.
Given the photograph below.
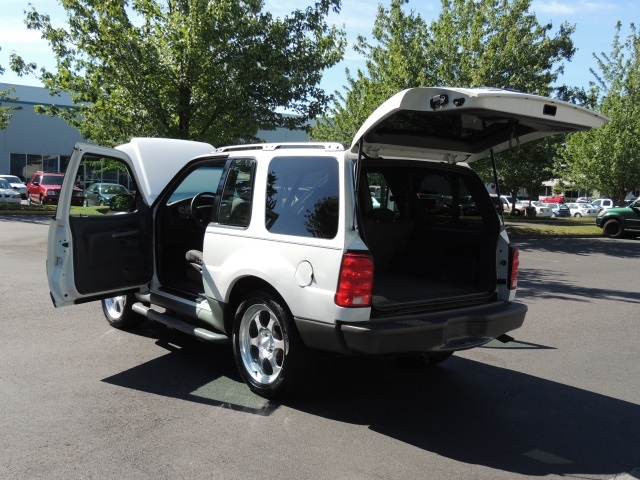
(286, 249)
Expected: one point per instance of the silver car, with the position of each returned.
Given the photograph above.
(7, 193)
(582, 210)
(16, 184)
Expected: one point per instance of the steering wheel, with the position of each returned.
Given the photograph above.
(202, 208)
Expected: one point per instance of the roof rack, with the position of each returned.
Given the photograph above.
(330, 146)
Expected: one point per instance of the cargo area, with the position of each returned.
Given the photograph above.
(432, 231)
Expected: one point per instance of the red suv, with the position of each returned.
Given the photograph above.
(44, 188)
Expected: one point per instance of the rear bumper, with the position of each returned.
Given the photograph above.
(442, 331)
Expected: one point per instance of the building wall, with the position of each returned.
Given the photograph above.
(45, 141)
(38, 142)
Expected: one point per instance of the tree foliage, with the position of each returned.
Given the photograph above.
(5, 110)
(496, 43)
(210, 70)
(490, 43)
(607, 160)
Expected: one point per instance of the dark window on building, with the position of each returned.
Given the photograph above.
(303, 196)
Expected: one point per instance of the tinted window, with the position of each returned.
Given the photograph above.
(235, 203)
(446, 198)
(303, 196)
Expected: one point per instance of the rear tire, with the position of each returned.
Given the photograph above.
(270, 354)
(119, 314)
(613, 229)
(578, 215)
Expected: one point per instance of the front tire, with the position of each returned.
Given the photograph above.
(578, 215)
(119, 314)
(269, 353)
(613, 229)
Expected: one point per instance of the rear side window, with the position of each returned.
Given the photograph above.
(446, 198)
(235, 203)
(303, 196)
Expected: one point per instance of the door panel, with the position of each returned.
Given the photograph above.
(110, 252)
(99, 252)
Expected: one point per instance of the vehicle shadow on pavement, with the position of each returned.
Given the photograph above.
(192, 370)
(480, 414)
(465, 410)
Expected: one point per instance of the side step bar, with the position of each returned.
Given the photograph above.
(171, 322)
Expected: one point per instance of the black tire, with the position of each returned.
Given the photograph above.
(119, 314)
(270, 355)
(554, 215)
(613, 229)
(416, 360)
(578, 215)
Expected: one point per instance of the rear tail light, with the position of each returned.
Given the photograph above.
(513, 272)
(355, 282)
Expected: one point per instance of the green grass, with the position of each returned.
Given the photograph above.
(521, 226)
(12, 208)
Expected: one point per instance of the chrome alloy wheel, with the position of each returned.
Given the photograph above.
(114, 306)
(262, 344)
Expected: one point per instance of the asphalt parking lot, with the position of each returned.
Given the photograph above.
(82, 400)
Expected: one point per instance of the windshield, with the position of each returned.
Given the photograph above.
(4, 183)
(11, 179)
(52, 180)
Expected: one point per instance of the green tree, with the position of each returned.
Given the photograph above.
(5, 110)
(608, 159)
(489, 43)
(495, 43)
(209, 70)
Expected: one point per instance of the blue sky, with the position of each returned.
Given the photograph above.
(594, 19)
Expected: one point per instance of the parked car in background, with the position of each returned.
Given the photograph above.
(584, 200)
(559, 210)
(44, 188)
(582, 209)
(552, 199)
(603, 203)
(506, 205)
(98, 194)
(542, 210)
(7, 193)
(619, 221)
(16, 184)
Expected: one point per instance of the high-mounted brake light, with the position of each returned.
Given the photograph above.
(355, 281)
(515, 264)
